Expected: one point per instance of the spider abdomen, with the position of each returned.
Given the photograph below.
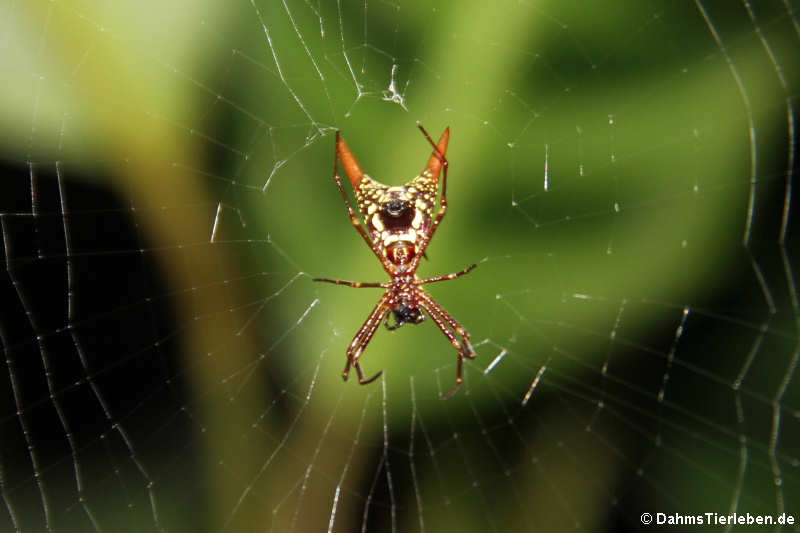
(401, 252)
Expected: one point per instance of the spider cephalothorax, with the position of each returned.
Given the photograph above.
(400, 225)
(405, 313)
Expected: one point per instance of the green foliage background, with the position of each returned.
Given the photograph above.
(666, 131)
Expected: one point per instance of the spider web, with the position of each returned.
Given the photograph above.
(622, 176)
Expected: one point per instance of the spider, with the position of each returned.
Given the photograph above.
(399, 228)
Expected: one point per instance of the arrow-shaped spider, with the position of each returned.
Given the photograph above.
(399, 228)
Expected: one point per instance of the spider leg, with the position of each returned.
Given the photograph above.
(456, 345)
(355, 284)
(469, 352)
(355, 174)
(438, 154)
(446, 277)
(440, 316)
(362, 338)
